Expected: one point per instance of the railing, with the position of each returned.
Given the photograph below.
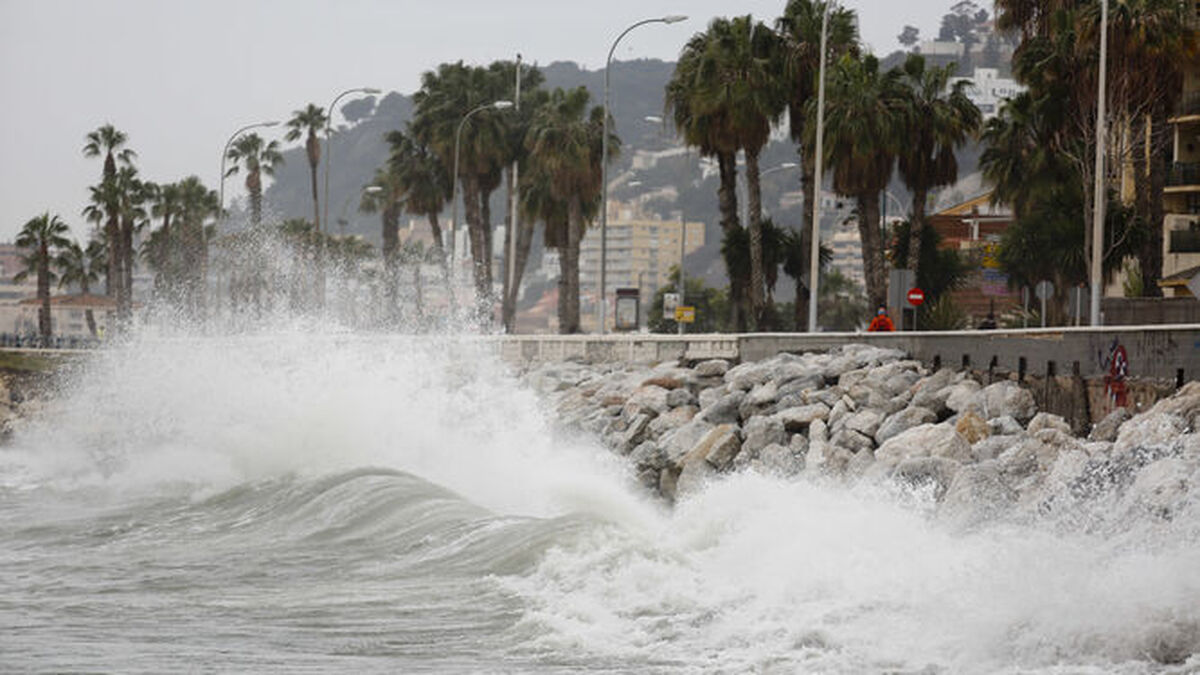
(1185, 241)
(1184, 174)
(1189, 104)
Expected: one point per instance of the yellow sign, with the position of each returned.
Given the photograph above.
(685, 314)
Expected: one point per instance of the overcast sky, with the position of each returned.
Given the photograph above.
(180, 77)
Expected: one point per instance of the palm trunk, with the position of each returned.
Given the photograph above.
(727, 201)
(808, 180)
(112, 273)
(314, 158)
(916, 229)
(485, 233)
(568, 319)
(524, 241)
(757, 277)
(254, 188)
(390, 216)
(43, 291)
(506, 310)
(872, 247)
(1158, 156)
(125, 289)
(88, 315)
(471, 203)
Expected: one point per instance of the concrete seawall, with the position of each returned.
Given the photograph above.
(1159, 352)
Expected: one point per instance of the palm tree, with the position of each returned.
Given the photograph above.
(864, 109)
(422, 179)
(109, 142)
(42, 236)
(565, 145)
(445, 97)
(938, 119)
(259, 158)
(307, 123)
(800, 26)
(740, 80)
(81, 266)
(388, 201)
(197, 205)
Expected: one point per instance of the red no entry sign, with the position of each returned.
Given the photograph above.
(916, 296)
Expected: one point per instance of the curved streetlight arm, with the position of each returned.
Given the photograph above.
(225, 153)
(673, 18)
(328, 136)
(496, 105)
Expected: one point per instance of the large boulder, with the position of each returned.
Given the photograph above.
(725, 409)
(962, 395)
(1006, 398)
(674, 419)
(1045, 420)
(711, 395)
(1107, 428)
(865, 422)
(676, 444)
(852, 440)
(648, 455)
(712, 368)
(1150, 429)
(746, 376)
(972, 427)
(680, 397)
(902, 421)
(761, 432)
(978, 494)
(931, 392)
(779, 460)
(801, 417)
(935, 472)
(926, 440)
(648, 399)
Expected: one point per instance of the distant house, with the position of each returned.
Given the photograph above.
(973, 228)
(68, 315)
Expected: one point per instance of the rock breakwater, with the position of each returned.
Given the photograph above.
(865, 415)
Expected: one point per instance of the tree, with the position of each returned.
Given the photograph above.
(800, 25)
(864, 112)
(424, 183)
(259, 158)
(307, 122)
(109, 142)
(712, 311)
(388, 200)
(81, 266)
(908, 37)
(446, 96)
(938, 118)
(42, 237)
(565, 144)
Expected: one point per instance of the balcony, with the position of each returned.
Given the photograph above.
(1184, 173)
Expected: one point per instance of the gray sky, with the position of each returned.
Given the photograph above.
(180, 77)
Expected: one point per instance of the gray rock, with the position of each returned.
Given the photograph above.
(962, 395)
(902, 421)
(676, 444)
(1160, 489)
(724, 443)
(672, 420)
(648, 454)
(725, 410)
(1107, 428)
(931, 392)
(1028, 458)
(1044, 420)
(919, 471)
(993, 446)
(779, 460)
(763, 394)
(978, 494)
(634, 434)
(711, 395)
(761, 432)
(648, 478)
(649, 398)
(1006, 398)
(798, 444)
(852, 440)
(746, 376)
(680, 397)
(712, 368)
(791, 372)
(1147, 430)
(839, 411)
(926, 440)
(1005, 425)
(865, 422)
(800, 385)
(801, 417)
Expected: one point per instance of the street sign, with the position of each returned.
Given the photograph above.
(685, 314)
(1044, 290)
(915, 297)
(626, 315)
(670, 302)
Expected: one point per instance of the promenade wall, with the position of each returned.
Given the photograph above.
(1159, 352)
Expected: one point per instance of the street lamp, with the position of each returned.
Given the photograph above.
(329, 145)
(814, 270)
(495, 105)
(673, 18)
(221, 199)
(1098, 198)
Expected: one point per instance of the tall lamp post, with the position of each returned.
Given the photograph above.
(1099, 196)
(673, 18)
(814, 269)
(221, 197)
(494, 105)
(329, 146)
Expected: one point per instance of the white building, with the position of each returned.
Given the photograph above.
(988, 90)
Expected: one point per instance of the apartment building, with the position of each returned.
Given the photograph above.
(1181, 196)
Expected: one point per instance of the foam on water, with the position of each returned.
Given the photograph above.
(753, 573)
